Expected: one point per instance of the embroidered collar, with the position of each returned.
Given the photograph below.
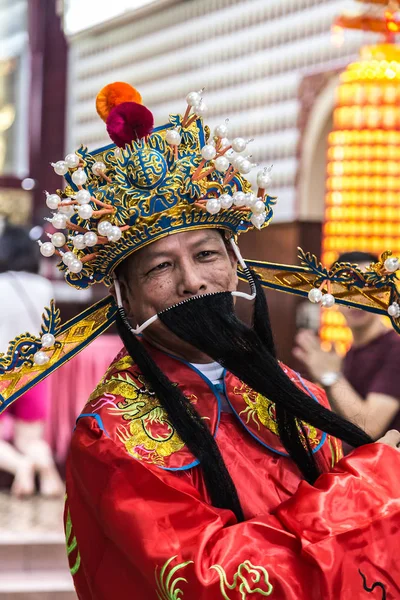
(130, 413)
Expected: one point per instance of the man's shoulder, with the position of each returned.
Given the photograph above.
(121, 380)
(121, 395)
(385, 343)
(125, 411)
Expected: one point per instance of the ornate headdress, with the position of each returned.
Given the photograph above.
(150, 183)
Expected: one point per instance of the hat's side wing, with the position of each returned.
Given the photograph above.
(31, 359)
(369, 290)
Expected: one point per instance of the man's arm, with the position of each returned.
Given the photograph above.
(374, 414)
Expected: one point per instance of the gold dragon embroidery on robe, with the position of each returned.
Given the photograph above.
(145, 430)
(261, 411)
(248, 580)
(71, 543)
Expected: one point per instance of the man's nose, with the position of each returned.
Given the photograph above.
(191, 282)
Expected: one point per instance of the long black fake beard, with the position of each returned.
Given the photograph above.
(186, 421)
(209, 323)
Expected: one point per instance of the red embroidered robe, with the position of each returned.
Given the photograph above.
(139, 524)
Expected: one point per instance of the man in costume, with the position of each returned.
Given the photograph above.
(201, 467)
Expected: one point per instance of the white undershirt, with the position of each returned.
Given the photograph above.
(214, 372)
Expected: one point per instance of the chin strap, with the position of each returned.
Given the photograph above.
(247, 274)
(135, 330)
(138, 330)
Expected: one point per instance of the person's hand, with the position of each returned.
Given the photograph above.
(391, 438)
(308, 351)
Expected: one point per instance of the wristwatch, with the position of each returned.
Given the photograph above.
(329, 378)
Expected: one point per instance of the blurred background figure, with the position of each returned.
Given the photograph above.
(363, 386)
(23, 294)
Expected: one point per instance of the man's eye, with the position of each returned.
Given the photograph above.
(206, 253)
(159, 267)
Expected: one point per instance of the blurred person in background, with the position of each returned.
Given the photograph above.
(363, 386)
(23, 294)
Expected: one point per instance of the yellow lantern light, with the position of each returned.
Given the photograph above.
(363, 170)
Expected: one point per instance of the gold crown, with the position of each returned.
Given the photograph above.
(173, 178)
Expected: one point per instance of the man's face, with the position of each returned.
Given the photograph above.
(358, 319)
(173, 269)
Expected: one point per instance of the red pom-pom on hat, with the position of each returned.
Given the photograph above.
(129, 122)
